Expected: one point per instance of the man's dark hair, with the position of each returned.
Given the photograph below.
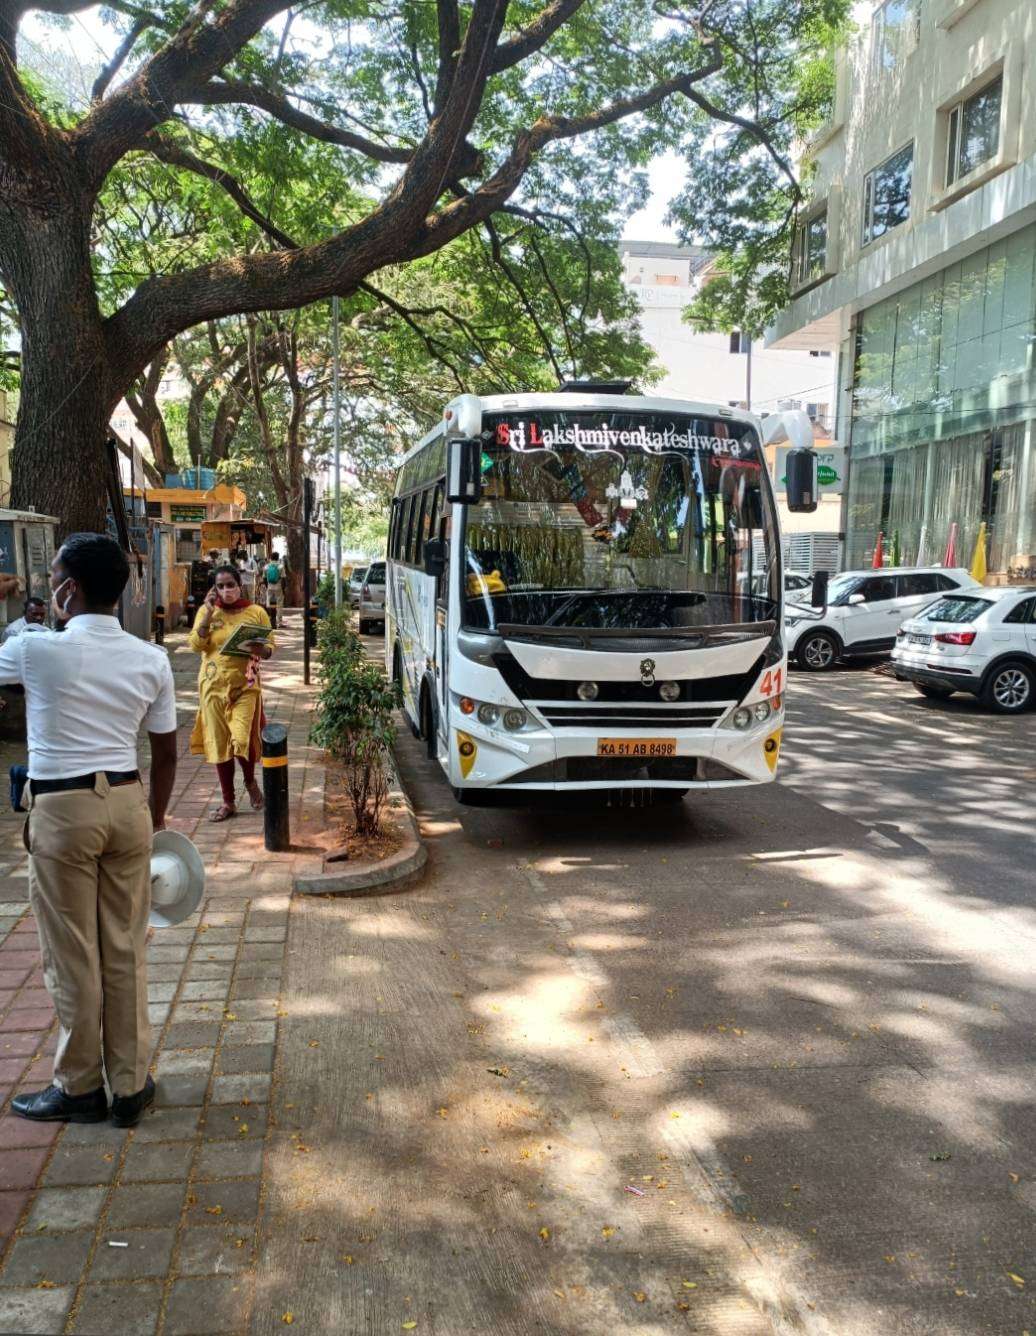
(34, 602)
(98, 565)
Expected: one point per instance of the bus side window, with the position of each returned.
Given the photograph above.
(404, 527)
(431, 514)
(415, 544)
(393, 542)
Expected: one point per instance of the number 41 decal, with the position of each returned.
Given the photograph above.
(771, 683)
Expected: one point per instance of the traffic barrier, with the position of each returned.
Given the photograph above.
(276, 829)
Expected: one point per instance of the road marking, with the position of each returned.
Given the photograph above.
(788, 1309)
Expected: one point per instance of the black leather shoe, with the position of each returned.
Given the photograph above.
(54, 1106)
(127, 1110)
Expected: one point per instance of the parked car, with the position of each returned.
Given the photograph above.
(372, 598)
(865, 609)
(356, 580)
(982, 642)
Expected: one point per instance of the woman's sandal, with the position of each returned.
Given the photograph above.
(255, 796)
(223, 812)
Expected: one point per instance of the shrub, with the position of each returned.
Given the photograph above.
(355, 718)
(325, 591)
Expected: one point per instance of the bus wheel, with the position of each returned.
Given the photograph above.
(817, 651)
(428, 724)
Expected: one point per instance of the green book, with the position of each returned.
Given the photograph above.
(240, 636)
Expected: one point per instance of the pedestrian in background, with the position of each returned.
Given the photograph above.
(89, 830)
(34, 616)
(230, 703)
(274, 578)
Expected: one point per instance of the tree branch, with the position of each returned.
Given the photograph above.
(227, 92)
(197, 50)
(169, 152)
(113, 66)
(537, 34)
(449, 46)
(530, 310)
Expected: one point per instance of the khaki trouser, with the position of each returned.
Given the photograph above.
(90, 889)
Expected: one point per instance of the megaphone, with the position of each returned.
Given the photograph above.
(177, 879)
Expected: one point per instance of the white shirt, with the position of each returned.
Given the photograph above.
(19, 625)
(87, 692)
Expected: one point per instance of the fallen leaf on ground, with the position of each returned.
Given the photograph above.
(443, 1112)
(1018, 1280)
(409, 1326)
(937, 1157)
(608, 1231)
(640, 1296)
(213, 1210)
(287, 1318)
(690, 1284)
(544, 1233)
(348, 1259)
(314, 1043)
(499, 1071)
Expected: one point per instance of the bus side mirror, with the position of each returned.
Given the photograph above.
(801, 474)
(434, 557)
(464, 471)
(818, 597)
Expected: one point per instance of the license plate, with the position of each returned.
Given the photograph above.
(642, 748)
(913, 639)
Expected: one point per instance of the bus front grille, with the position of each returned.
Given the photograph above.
(592, 715)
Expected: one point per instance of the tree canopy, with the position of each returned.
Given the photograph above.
(352, 136)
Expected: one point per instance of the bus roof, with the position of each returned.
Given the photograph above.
(568, 401)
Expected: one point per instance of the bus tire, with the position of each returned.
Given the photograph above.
(817, 651)
(427, 716)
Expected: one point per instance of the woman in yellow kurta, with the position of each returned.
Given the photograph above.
(230, 704)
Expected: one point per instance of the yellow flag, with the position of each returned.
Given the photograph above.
(978, 561)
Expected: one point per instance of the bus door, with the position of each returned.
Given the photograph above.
(442, 638)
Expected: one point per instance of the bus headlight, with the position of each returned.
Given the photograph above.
(669, 691)
(762, 711)
(588, 690)
(741, 718)
(488, 714)
(514, 720)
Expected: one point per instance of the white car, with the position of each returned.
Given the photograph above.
(356, 580)
(865, 609)
(372, 598)
(981, 641)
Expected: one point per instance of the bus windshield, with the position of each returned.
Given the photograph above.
(620, 520)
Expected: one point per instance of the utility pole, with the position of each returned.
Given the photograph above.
(338, 458)
(748, 374)
(308, 488)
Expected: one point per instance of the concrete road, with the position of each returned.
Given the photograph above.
(760, 1062)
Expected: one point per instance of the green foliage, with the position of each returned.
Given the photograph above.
(355, 718)
(325, 591)
(742, 199)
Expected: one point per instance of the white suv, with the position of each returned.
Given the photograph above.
(983, 642)
(864, 611)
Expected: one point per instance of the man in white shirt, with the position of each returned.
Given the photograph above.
(89, 830)
(33, 619)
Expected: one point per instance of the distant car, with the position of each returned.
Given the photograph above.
(356, 580)
(865, 610)
(982, 641)
(372, 598)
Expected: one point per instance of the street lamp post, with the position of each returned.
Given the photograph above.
(338, 457)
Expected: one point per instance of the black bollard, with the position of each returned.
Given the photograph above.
(312, 623)
(276, 831)
(159, 625)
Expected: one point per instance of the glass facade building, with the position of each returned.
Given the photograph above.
(944, 413)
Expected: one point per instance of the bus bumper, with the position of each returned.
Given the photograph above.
(720, 757)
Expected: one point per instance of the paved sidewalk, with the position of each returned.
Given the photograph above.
(182, 1193)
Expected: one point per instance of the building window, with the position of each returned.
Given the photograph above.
(886, 194)
(809, 259)
(895, 30)
(667, 280)
(739, 343)
(974, 131)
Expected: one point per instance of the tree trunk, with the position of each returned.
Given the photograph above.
(58, 462)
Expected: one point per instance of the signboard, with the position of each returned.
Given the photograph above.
(216, 533)
(830, 470)
(188, 514)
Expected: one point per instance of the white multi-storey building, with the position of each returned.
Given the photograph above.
(916, 261)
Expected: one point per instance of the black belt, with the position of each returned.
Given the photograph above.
(114, 778)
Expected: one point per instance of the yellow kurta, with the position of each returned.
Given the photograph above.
(229, 710)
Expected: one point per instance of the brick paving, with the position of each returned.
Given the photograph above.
(182, 1193)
